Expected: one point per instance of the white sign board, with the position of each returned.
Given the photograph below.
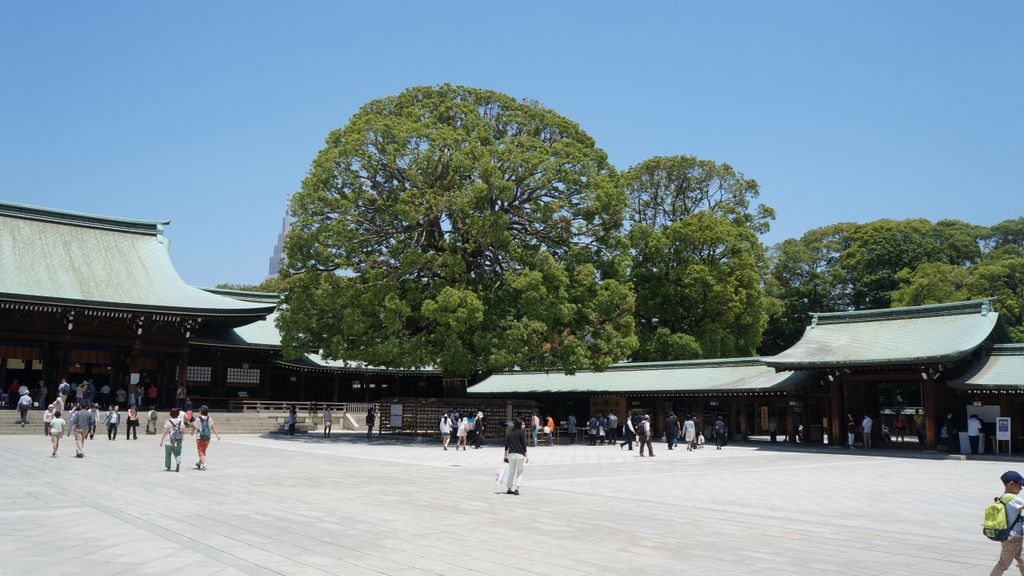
(396, 416)
(1003, 433)
(1003, 429)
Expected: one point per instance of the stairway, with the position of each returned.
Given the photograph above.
(226, 423)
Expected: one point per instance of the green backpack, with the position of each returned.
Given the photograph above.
(995, 526)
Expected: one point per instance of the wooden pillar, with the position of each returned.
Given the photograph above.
(932, 412)
(658, 421)
(733, 420)
(700, 415)
(302, 387)
(837, 420)
(64, 358)
(334, 381)
(743, 420)
(790, 422)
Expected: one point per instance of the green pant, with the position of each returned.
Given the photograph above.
(171, 448)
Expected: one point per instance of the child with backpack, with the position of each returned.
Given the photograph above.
(1002, 522)
(204, 428)
(174, 433)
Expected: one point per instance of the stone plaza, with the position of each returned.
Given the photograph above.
(307, 505)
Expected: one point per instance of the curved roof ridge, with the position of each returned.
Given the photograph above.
(152, 227)
(981, 306)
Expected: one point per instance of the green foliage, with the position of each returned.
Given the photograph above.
(463, 229)
(274, 284)
(698, 266)
(894, 263)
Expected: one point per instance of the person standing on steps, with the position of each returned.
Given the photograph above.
(174, 433)
(204, 429)
(515, 457)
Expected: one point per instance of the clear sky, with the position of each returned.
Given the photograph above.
(209, 113)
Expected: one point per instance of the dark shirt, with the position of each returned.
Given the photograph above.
(515, 443)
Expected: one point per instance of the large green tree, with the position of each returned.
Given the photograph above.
(698, 265)
(459, 228)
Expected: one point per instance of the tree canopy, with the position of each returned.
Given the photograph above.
(697, 264)
(463, 229)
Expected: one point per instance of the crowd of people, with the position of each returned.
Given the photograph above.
(65, 417)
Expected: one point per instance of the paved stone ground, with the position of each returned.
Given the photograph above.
(303, 505)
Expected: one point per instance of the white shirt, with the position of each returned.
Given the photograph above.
(1013, 510)
(973, 427)
(867, 424)
(446, 426)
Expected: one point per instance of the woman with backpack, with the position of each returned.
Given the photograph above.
(174, 434)
(204, 428)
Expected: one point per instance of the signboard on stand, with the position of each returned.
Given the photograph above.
(396, 416)
(1003, 434)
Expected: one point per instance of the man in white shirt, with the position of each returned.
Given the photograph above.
(1011, 547)
(974, 432)
(866, 425)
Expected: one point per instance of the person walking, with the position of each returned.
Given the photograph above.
(867, 424)
(56, 431)
(950, 433)
(900, 427)
(85, 420)
(974, 432)
(570, 428)
(851, 430)
(613, 428)
(718, 429)
(549, 424)
(174, 434)
(602, 429)
(461, 432)
(131, 430)
(534, 426)
(690, 434)
(919, 426)
(592, 430)
(671, 430)
(204, 429)
(645, 436)
(515, 457)
(478, 425)
(95, 418)
(113, 419)
(371, 419)
(628, 433)
(1011, 547)
(328, 421)
(446, 430)
(24, 403)
(289, 422)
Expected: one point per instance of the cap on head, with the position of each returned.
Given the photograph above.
(1012, 476)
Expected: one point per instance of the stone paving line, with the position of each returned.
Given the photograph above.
(301, 505)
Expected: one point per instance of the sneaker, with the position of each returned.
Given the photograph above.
(168, 469)
(177, 467)
(198, 466)
(202, 467)
(516, 492)
(508, 491)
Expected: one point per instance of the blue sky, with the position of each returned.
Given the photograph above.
(209, 113)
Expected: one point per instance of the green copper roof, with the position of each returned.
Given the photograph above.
(917, 334)
(319, 363)
(1002, 368)
(735, 375)
(50, 256)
